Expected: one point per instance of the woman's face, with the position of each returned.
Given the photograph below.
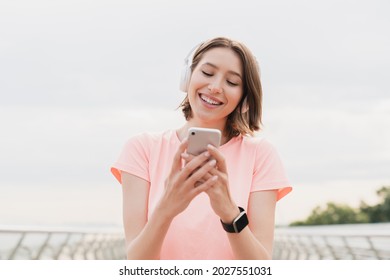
(216, 85)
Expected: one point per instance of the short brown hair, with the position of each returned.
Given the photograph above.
(238, 122)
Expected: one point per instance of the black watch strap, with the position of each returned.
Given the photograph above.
(239, 223)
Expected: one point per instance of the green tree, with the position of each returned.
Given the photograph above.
(379, 213)
(343, 214)
(333, 214)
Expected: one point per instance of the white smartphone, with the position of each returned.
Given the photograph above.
(199, 138)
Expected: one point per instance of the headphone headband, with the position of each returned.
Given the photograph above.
(186, 72)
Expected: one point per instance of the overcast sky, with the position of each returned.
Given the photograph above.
(78, 78)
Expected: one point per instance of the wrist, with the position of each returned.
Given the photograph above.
(238, 224)
(230, 214)
(163, 214)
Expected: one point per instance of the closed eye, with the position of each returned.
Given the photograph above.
(207, 74)
(232, 84)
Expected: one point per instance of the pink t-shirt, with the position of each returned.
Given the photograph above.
(253, 165)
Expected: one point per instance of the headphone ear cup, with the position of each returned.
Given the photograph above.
(186, 72)
(185, 77)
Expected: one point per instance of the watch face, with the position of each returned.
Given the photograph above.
(240, 222)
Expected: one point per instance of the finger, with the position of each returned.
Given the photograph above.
(204, 186)
(222, 177)
(203, 179)
(207, 176)
(201, 172)
(194, 164)
(187, 157)
(215, 172)
(221, 164)
(176, 165)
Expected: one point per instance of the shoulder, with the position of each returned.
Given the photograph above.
(257, 143)
(261, 149)
(146, 140)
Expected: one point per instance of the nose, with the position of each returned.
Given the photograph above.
(215, 86)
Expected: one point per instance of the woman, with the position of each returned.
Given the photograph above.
(167, 213)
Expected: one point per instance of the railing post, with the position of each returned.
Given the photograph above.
(13, 253)
(373, 249)
(62, 246)
(43, 246)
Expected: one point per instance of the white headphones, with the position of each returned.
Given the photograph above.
(186, 72)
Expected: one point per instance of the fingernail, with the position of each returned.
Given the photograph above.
(213, 162)
(184, 155)
(206, 154)
(214, 178)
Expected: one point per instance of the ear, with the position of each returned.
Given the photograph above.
(245, 106)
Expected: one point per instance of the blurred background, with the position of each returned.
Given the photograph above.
(78, 78)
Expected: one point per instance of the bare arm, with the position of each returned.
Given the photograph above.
(144, 238)
(256, 240)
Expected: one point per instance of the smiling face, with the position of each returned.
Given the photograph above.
(216, 87)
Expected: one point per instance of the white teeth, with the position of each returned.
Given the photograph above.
(210, 101)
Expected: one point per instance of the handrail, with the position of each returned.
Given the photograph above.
(108, 244)
(61, 243)
(331, 246)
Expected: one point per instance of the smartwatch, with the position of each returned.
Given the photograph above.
(238, 224)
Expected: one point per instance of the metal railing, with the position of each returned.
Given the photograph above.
(292, 244)
(299, 243)
(52, 243)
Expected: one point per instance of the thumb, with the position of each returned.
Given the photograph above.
(177, 159)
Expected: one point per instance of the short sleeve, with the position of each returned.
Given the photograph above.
(133, 159)
(269, 172)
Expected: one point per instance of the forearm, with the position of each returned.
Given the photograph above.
(246, 246)
(147, 245)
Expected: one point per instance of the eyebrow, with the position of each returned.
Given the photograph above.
(230, 71)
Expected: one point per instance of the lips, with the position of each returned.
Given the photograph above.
(209, 100)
